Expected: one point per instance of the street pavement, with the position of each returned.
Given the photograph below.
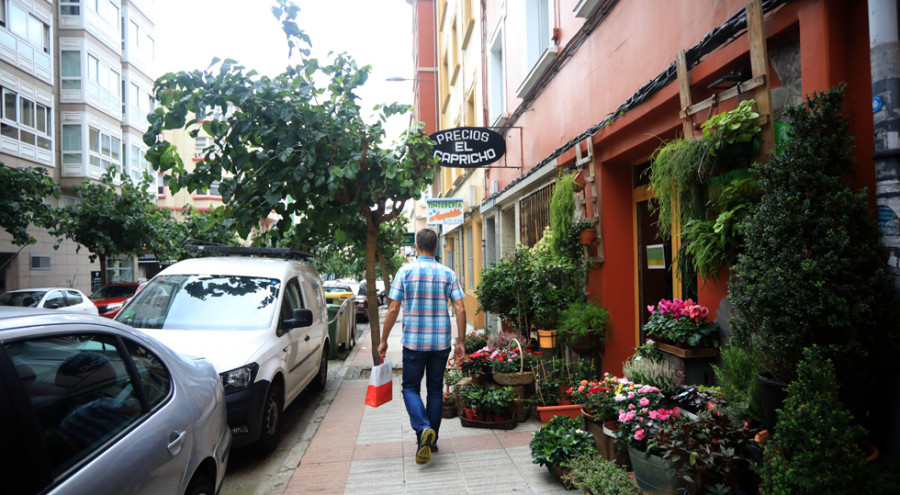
(357, 449)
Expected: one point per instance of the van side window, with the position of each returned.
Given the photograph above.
(293, 299)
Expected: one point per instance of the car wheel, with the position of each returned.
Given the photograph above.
(200, 486)
(270, 426)
(321, 378)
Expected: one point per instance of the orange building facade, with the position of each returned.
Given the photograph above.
(567, 74)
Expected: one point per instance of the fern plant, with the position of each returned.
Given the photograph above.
(562, 212)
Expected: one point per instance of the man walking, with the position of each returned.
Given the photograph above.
(425, 285)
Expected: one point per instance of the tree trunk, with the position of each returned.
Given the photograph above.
(385, 276)
(102, 259)
(371, 292)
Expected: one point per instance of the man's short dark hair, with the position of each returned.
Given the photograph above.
(426, 239)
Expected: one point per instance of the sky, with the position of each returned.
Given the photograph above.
(189, 33)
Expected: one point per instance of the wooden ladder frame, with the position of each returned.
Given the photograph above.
(584, 161)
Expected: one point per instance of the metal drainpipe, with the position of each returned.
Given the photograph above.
(884, 46)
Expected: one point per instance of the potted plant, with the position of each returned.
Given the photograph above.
(653, 372)
(600, 409)
(583, 325)
(736, 376)
(559, 441)
(512, 366)
(731, 132)
(686, 338)
(813, 268)
(475, 341)
(449, 409)
(477, 365)
(550, 380)
(595, 475)
(562, 211)
(710, 453)
(640, 416)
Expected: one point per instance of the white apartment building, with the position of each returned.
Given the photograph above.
(76, 78)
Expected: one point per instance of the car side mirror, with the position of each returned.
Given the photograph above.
(302, 317)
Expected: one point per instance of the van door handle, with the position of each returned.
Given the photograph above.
(175, 444)
(307, 337)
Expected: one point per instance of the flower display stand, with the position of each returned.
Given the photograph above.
(606, 444)
(696, 364)
(653, 475)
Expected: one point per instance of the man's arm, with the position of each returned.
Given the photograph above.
(389, 319)
(460, 310)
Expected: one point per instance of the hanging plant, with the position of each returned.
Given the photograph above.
(562, 211)
(676, 177)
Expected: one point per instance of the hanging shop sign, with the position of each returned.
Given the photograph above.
(468, 147)
(444, 211)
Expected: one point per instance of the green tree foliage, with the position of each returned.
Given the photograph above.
(22, 201)
(207, 228)
(111, 222)
(813, 270)
(296, 145)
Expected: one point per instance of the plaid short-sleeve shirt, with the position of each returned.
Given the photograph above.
(424, 286)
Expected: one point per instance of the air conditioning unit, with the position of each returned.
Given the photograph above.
(495, 186)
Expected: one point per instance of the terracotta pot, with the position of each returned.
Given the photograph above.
(587, 236)
(547, 338)
(469, 413)
(548, 412)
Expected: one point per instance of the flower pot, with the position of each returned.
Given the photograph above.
(589, 344)
(547, 338)
(558, 472)
(696, 364)
(469, 414)
(587, 236)
(448, 412)
(605, 444)
(772, 395)
(500, 419)
(653, 475)
(548, 412)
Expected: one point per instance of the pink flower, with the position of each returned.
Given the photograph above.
(644, 401)
(651, 308)
(639, 435)
(653, 414)
(630, 406)
(631, 395)
(704, 312)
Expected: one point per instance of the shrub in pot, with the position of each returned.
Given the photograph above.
(817, 446)
(736, 376)
(813, 270)
(559, 441)
(583, 325)
(594, 475)
(656, 373)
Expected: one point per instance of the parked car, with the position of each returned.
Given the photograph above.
(382, 294)
(88, 405)
(63, 299)
(262, 322)
(110, 299)
(359, 294)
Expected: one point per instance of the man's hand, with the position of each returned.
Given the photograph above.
(382, 350)
(459, 352)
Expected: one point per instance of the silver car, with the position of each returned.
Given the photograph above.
(93, 406)
(59, 298)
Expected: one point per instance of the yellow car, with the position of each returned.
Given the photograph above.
(336, 294)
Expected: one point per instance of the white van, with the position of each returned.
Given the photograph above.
(262, 322)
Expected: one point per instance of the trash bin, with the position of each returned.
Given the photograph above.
(333, 322)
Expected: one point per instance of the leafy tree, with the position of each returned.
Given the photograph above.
(296, 145)
(125, 222)
(22, 201)
(213, 227)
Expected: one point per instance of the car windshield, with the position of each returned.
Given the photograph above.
(115, 291)
(23, 298)
(208, 302)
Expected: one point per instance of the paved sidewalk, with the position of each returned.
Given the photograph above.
(363, 450)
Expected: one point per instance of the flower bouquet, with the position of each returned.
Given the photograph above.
(682, 323)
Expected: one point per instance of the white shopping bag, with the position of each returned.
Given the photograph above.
(379, 391)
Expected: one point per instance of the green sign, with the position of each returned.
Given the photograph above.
(409, 239)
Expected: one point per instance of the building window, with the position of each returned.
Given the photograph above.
(70, 7)
(26, 121)
(470, 258)
(119, 270)
(200, 144)
(537, 15)
(104, 82)
(104, 150)
(496, 92)
(535, 215)
(70, 67)
(40, 262)
(71, 136)
(461, 267)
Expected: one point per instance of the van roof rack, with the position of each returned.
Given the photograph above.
(286, 253)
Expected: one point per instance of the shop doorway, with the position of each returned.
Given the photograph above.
(654, 254)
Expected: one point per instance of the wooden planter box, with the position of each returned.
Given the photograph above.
(696, 364)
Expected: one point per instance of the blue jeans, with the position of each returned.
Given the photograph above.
(431, 365)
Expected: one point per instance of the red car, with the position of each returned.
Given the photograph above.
(110, 299)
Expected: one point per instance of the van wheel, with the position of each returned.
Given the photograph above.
(321, 378)
(200, 486)
(270, 425)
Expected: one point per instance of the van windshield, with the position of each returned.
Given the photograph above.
(207, 302)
